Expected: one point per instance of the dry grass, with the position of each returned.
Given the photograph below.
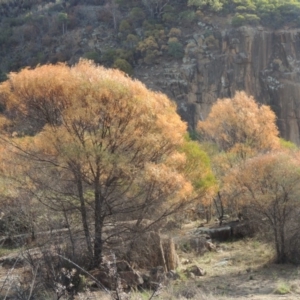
(243, 269)
(238, 270)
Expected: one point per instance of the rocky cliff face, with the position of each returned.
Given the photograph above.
(218, 62)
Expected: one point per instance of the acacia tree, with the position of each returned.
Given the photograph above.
(240, 125)
(239, 128)
(268, 186)
(96, 142)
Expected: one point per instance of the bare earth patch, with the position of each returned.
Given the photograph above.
(244, 270)
(237, 270)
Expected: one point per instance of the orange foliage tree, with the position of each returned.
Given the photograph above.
(97, 142)
(239, 128)
(268, 188)
(240, 124)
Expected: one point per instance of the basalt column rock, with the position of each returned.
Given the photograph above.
(218, 62)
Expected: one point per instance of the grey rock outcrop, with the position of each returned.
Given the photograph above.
(265, 63)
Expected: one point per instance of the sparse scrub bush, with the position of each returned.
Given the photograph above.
(150, 28)
(108, 57)
(93, 55)
(282, 288)
(252, 19)
(148, 44)
(137, 16)
(175, 48)
(147, 25)
(39, 58)
(211, 42)
(169, 18)
(29, 32)
(103, 16)
(238, 20)
(132, 41)
(151, 56)
(214, 5)
(17, 21)
(5, 35)
(47, 40)
(243, 19)
(174, 32)
(3, 76)
(241, 9)
(123, 65)
(125, 27)
(199, 14)
(187, 17)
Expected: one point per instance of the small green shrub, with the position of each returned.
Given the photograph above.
(175, 48)
(123, 65)
(238, 20)
(241, 8)
(137, 16)
(131, 41)
(252, 19)
(282, 288)
(125, 27)
(18, 21)
(169, 18)
(3, 77)
(187, 17)
(93, 55)
(5, 34)
(108, 57)
(287, 144)
(151, 56)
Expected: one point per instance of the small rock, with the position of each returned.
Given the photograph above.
(197, 271)
(185, 261)
(173, 275)
(221, 263)
(210, 246)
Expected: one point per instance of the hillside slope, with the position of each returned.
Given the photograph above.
(194, 51)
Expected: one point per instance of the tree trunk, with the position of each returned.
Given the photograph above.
(98, 244)
(283, 257)
(277, 247)
(70, 233)
(84, 217)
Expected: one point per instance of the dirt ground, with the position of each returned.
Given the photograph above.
(243, 269)
(237, 270)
